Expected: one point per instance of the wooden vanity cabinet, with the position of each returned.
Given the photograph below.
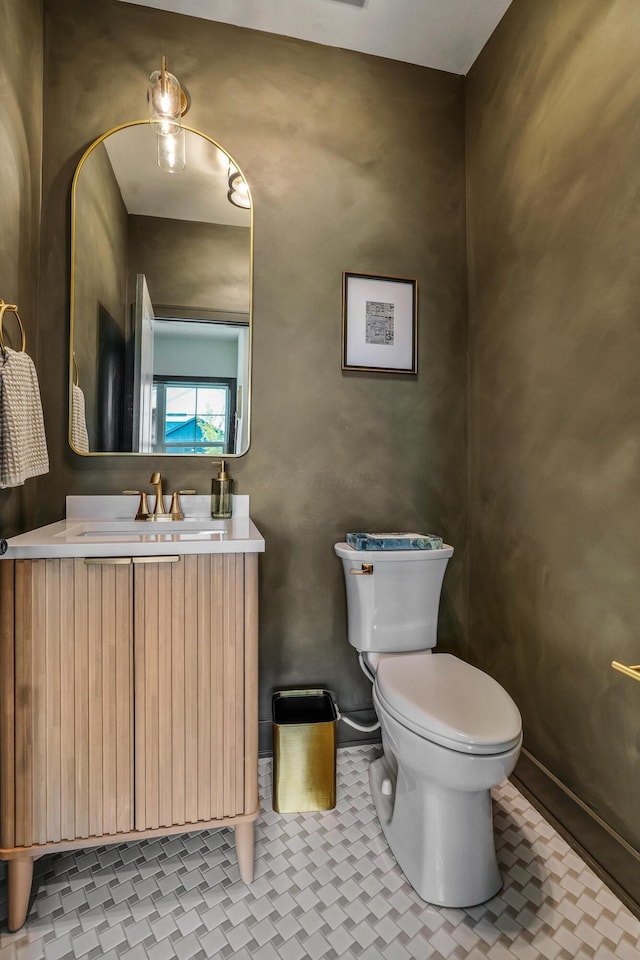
(129, 704)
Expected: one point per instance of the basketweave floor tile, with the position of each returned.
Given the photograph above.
(326, 888)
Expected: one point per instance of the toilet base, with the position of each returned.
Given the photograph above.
(442, 838)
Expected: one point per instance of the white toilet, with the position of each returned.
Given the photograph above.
(449, 731)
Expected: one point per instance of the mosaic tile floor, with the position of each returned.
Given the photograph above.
(326, 887)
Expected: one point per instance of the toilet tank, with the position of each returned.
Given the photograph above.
(395, 608)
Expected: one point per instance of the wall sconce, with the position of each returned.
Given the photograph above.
(238, 193)
(168, 103)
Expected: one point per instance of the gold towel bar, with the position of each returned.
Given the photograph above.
(628, 671)
(11, 308)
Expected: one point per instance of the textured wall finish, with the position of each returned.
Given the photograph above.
(354, 163)
(20, 160)
(191, 264)
(553, 141)
(100, 274)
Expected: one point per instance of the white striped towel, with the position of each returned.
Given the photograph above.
(79, 436)
(23, 445)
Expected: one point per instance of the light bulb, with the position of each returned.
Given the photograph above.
(172, 151)
(238, 193)
(165, 99)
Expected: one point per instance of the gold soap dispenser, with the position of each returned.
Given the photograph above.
(221, 487)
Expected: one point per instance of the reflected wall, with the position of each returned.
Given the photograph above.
(100, 291)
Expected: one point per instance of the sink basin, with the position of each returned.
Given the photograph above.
(131, 531)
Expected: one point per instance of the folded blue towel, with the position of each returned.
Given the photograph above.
(394, 541)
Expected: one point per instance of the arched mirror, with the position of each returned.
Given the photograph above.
(161, 272)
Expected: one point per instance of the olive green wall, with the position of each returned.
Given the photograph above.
(20, 166)
(553, 141)
(100, 278)
(355, 163)
(190, 264)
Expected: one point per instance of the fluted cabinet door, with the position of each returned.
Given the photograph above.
(73, 700)
(191, 710)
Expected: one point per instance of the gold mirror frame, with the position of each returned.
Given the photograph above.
(245, 390)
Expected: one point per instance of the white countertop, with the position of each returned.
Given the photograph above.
(105, 527)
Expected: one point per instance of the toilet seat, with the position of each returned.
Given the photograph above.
(448, 701)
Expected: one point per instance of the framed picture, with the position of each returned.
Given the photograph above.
(379, 330)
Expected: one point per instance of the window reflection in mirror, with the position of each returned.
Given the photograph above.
(160, 299)
(199, 368)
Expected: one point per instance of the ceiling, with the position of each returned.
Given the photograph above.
(197, 194)
(443, 34)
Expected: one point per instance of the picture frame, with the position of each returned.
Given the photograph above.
(379, 323)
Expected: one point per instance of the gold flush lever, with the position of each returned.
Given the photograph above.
(633, 672)
(365, 571)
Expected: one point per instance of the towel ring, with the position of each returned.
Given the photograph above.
(12, 308)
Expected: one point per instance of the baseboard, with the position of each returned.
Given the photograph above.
(614, 860)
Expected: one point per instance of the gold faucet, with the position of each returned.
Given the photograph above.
(159, 512)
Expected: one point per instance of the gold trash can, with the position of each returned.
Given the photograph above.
(304, 751)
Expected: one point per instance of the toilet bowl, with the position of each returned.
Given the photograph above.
(434, 801)
(450, 733)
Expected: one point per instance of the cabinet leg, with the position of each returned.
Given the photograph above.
(19, 877)
(244, 849)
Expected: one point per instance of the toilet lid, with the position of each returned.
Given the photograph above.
(449, 702)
